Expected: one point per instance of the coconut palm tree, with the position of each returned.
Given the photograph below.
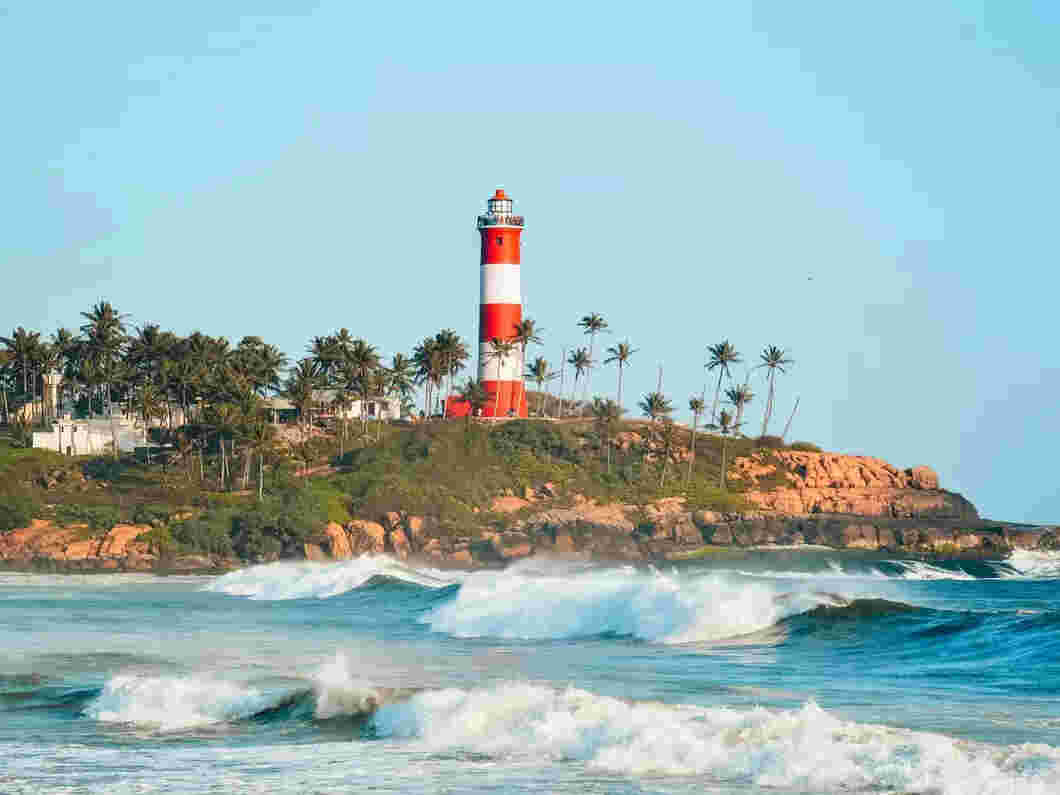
(721, 357)
(538, 372)
(21, 346)
(606, 413)
(656, 406)
(739, 397)
(304, 379)
(402, 377)
(620, 354)
(358, 366)
(775, 360)
(475, 395)
(104, 331)
(582, 362)
(499, 352)
(592, 324)
(725, 427)
(697, 405)
(525, 332)
(453, 352)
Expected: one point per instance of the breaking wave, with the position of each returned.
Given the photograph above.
(175, 703)
(808, 748)
(277, 581)
(523, 603)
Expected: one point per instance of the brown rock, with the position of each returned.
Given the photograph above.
(508, 504)
(564, 544)
(923, 478)
(685, 532)
(338, 543)
(520, 550)
(722, 536)
(314, 552)
(399, 544)
(117, 540)
(366, 538)
(417, 528)
(460, 556)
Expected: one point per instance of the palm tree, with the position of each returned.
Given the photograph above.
(621, 354)
(725, 426)
(592, 324)
(304, 379)
(499, 352)
(148, 406)
(739, 397)
(606, 413)
(475, 395)
(538, 372)
(525, 332)
(655, 405)
(358, 366)
(104, 331)
(775, 359)
(260, 439)
(453, 352)
(722, 356)
(582, 362)
(323, 352)
(697, 405)
(402, 377)
(429, 371)
(21, 346)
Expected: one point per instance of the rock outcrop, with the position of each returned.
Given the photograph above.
(810, 483)
(796, 499)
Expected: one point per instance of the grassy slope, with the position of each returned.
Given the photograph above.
(445, 470)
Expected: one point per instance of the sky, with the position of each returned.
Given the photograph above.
(869, 186)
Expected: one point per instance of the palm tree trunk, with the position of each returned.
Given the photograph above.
(692, 445)
(724, 440)
(261, 475)
(562, 377)
(717, 395)
(769, 404)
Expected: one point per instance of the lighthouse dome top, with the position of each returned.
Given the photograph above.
(499, 212)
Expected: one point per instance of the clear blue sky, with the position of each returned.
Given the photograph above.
(278, 169)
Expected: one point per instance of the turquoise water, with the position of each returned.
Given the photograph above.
(807, 673)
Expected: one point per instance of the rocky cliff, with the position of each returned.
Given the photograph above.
(797, 498)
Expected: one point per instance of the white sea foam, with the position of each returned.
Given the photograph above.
(1035, 564)
(321, 580)
(339, 691)
(171, 703)
(799, 749)
(523, 602)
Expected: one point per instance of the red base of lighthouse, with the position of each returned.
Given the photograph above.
(507, 399)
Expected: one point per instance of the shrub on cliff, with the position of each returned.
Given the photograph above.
(17, 509)
(805, 447)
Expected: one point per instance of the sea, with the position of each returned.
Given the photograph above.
(799, 672)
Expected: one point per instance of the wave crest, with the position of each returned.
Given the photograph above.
(799, 749)
(524, 603)
(285, 580)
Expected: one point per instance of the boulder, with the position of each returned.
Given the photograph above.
(398, 544)
(923, 478)
(314, 552)
(116, 541)
(366, 538)
(338, 542)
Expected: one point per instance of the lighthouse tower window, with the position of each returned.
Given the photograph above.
(499, 240)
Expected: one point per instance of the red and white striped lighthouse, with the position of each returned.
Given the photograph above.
(501, 307)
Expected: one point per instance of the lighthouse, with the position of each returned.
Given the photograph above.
(500, 308)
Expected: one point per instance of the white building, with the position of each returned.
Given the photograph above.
(381, 407)
(90, 437)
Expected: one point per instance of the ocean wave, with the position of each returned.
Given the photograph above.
(284, 580)
(524, 603)
(1034, 564)
(173, 703)
(808, 748)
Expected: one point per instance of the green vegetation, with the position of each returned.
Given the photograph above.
(224, 479)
